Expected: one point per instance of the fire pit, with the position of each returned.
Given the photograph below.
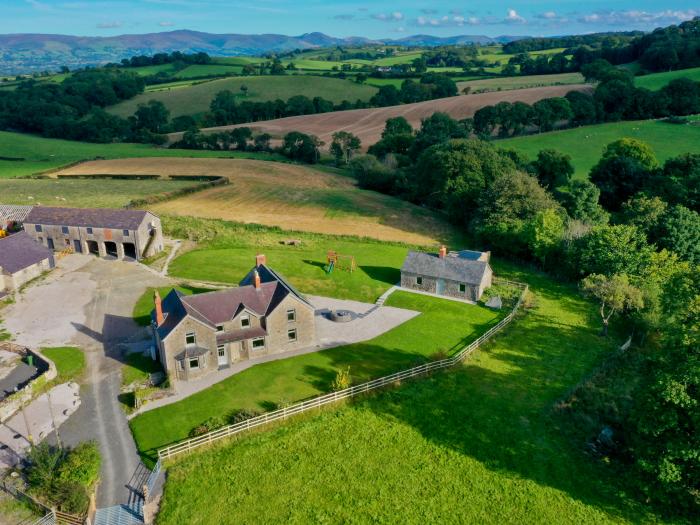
(342, 316)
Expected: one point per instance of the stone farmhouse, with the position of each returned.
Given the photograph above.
(463, 275)
(199, 334)
(118, 233)
(21, 260)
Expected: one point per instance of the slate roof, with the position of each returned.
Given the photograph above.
(119, 219)
(19, 251)
(218, 307)
(452, 267)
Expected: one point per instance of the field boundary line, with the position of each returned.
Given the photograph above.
(190, 444)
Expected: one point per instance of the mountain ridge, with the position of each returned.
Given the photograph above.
(30, 52)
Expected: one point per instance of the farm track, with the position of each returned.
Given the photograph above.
(368, 124)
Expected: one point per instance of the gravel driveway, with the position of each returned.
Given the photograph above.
(88, 302)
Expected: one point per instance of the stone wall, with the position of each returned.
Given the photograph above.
(13, 282)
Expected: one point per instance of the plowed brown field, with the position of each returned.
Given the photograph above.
(369, 123)
(290, 196)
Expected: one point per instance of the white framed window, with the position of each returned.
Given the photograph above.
(219, 328)
(462, 288)
(245, 321)
(419, 280)
(292, 335)
(193, 363)
(258, 343)
(190, 338)
(291, 315)
(221, 350)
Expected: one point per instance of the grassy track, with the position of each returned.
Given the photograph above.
(656, 81)
(474, 445)
(307, 375)
(196, 99)
(37, 154)
(585, 144)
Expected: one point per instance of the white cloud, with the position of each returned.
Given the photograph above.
(396, 16)
(512, 17)
(631, 17)
(165, 23)
(110, 25)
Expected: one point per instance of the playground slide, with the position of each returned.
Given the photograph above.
(330, 267)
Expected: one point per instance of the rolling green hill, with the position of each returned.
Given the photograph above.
(658, 80)
(196, 98)
(585, 144)
(22, 155)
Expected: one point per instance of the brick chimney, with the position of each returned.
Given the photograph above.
(443, 252)
(159, 308)
(260, 260)
(256, 280)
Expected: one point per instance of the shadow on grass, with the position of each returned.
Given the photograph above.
(384, 274)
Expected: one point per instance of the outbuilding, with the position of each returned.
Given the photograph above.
(21, 260)
(462, 275)
(106, 232)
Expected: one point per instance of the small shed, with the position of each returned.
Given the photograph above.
(21, 260)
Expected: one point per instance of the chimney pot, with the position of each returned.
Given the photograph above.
(260, 260)
(160, 318)
(443, 251)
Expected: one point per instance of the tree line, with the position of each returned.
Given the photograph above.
(615, 98)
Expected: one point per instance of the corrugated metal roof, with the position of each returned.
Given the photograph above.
(13, 213)
(87, 217)
(452, 268)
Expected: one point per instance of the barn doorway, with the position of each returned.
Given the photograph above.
(129, 250)
(77, 246)
(111, 248)
(93, 248)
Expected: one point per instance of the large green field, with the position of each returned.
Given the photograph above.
(479, 444)
(300, 377)
(656, 81)
(37, 154)
(196, 99)
(89, 193)
(520, 82)
(585, 144)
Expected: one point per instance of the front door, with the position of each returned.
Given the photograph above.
(49, 242)
(77, 245)
(440, 287)
(222, 357)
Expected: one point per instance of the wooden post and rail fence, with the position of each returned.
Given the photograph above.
(281, 414)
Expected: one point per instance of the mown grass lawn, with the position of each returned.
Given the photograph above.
(443, 326)
(69, 361)
(585, 144)
(478, 444)
(378, 266)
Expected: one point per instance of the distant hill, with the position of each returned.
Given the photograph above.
(24, 53)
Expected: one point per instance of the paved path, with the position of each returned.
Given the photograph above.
(88, 303)
(370, 322)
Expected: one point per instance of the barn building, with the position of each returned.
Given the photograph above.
(119, 233)
(21, 260)
(462, 275)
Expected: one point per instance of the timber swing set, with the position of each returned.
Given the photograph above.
(341, 262)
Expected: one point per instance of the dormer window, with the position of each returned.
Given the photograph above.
(245, 321)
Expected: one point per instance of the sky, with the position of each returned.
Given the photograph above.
(373, 19)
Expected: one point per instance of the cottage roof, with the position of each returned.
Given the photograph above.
(120, 219)
(452, 267)
(218, 307)
(19, 251)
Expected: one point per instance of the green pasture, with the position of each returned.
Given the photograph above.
(520, 82)
(656, 81)
(585, 144)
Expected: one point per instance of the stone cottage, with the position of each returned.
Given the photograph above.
(119, 233)
(21, 260)
(463, 275)
(198, 334)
